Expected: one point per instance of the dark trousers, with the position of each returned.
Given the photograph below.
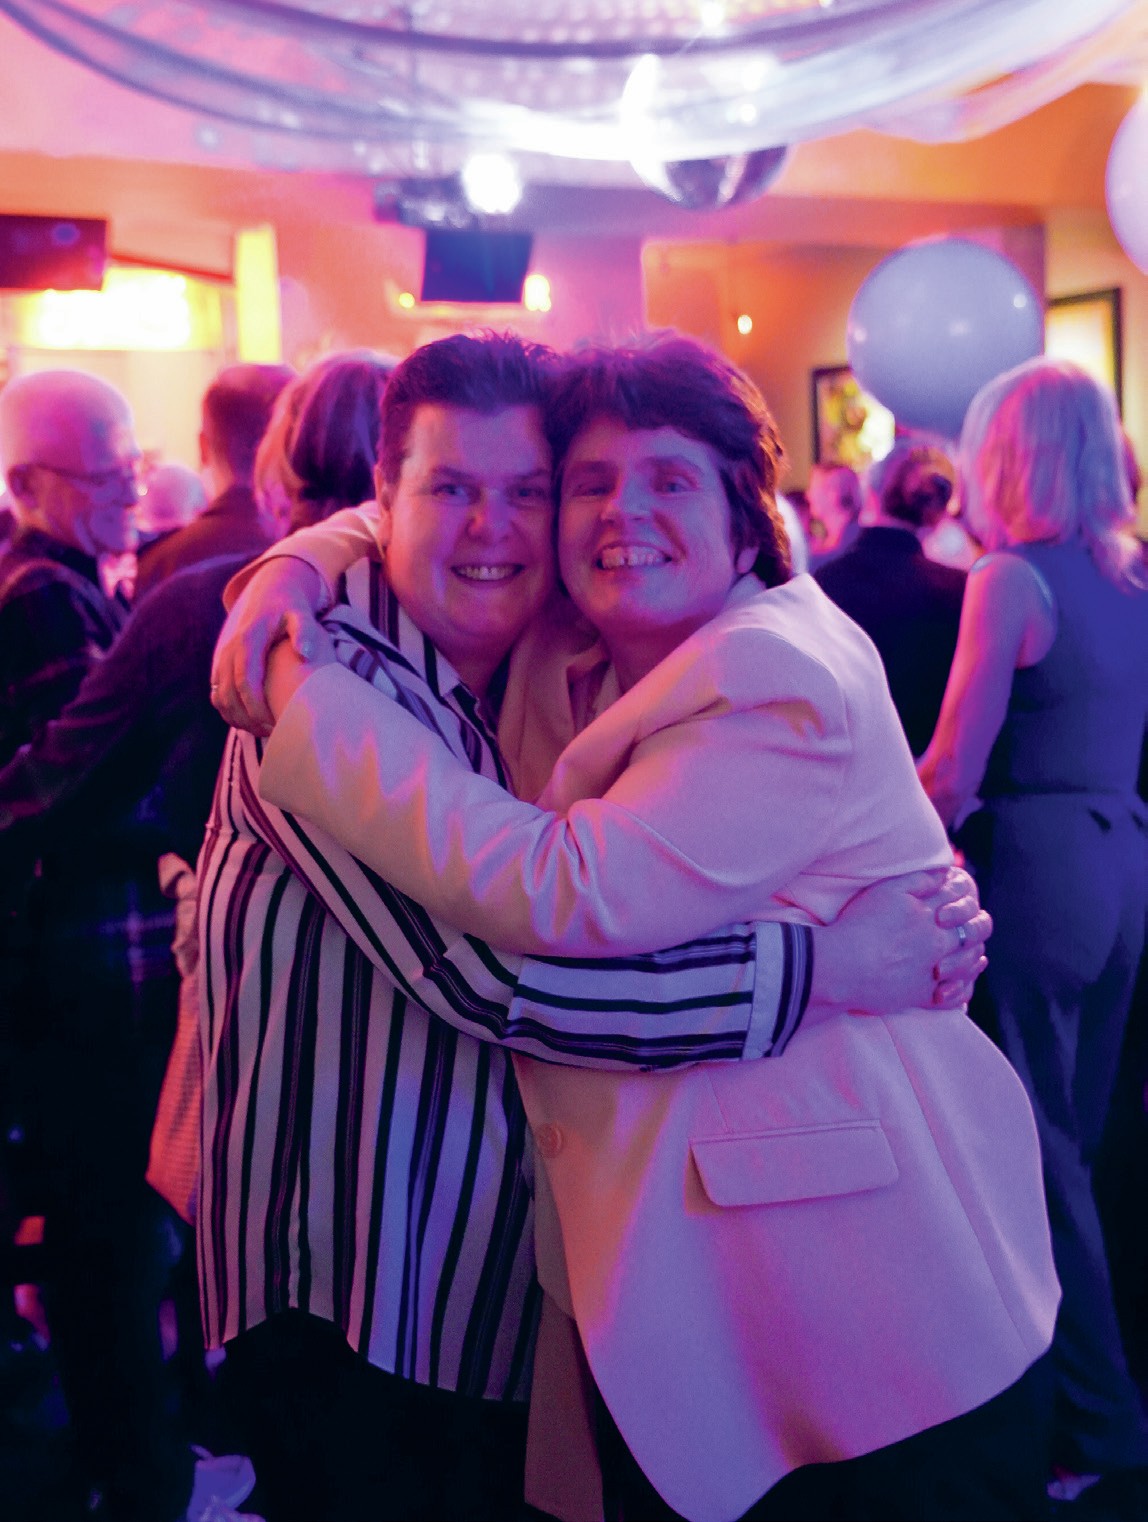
(332, 1437)
(1066, 889)
(990, 1465)
(107, 1239)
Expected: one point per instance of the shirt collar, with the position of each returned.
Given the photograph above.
(367, 607)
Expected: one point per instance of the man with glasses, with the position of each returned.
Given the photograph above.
(88, 988)
(69, 453)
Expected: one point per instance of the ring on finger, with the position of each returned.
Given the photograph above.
(962, 936)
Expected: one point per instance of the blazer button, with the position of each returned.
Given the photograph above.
(550, 1140)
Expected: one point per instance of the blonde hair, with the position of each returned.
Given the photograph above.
(1042, 460)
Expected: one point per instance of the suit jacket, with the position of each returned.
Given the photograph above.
(910, 608)
(771, 1264)
(228, 525)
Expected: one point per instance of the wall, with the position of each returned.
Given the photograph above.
(342, 281)
(798, 299)
(1083, 255)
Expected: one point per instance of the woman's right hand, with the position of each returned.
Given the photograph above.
(281, 601)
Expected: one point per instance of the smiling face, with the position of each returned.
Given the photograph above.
(467, 531)
(644, 541)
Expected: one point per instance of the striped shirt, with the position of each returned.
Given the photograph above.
(366, 1154)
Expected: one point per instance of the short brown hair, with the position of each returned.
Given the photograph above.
(484, 372)
(237, 408)
(671, 381)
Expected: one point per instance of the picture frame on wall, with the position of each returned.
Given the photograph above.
(850, 426)
(1088, 329)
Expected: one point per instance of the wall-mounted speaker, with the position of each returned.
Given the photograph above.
(52, 253)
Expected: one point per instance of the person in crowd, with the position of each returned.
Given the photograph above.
(173, 496)
(132, 761)
(909, 606)
(304, 473)
(69, 455)
(1042, 726)
(834, 507)
(236, 411)
(551, 997)
(89, 986)
(140, 735)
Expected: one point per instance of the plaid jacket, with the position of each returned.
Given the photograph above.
(55, 622)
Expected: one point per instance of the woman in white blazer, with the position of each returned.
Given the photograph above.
(771, 1266)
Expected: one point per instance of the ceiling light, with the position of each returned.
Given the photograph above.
(536, 293)
(491, 183)
(711, 15)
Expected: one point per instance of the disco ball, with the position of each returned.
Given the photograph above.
(711, 184)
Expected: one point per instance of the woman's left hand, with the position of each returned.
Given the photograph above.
(959, 909)
(904, 943)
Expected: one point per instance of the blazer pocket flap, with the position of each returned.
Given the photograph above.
(803, 1163)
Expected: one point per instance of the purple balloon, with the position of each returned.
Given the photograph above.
(935, 321)
(1126, 184)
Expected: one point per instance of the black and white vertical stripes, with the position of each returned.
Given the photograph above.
(366, 1155)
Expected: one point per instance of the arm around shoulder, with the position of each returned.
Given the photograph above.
(661, 857)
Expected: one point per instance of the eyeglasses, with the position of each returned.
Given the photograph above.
(99, 481)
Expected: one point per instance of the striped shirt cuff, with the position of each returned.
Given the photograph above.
(781, 987)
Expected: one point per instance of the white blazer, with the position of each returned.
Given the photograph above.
(771, 1263)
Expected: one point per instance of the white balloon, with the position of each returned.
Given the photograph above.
(935, 321)
(1126, 184)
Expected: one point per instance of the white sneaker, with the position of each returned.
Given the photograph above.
(220, 1483)
(218, 1512)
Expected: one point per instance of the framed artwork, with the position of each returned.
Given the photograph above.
(850, 427)
(1088, 330)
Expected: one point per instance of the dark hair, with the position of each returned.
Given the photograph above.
(237, 408)
(484, 372)
(333, 443)
(913, 483)
(670, 381)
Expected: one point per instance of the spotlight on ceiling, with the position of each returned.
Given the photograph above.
(436, 201)
(491, 184)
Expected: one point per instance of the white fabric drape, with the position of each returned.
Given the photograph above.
(550, 76)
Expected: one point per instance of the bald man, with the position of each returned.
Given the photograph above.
(69, 455)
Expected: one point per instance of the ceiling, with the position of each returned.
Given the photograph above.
(583, 94)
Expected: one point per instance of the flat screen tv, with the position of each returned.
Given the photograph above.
(474, 265)
(52, 253)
